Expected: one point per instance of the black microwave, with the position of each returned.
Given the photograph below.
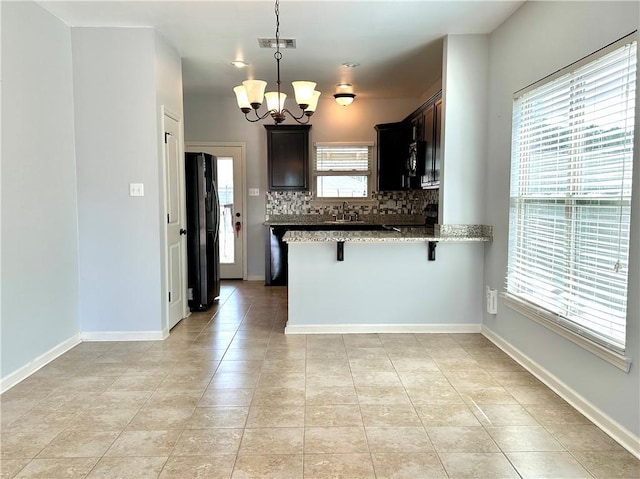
(416, 161)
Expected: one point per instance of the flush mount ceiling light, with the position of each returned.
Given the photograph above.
(350, 64)
(344, 95)
(251, 93)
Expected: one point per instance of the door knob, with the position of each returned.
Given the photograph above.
(183, 231)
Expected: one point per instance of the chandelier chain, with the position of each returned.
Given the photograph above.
(277, 55)
(277, 11)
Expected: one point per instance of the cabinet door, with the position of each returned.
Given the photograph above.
(430, 146)
(393, 151)
(437, 149)
(276, 263)
(288, 157)
(433, 132)
(418, 127)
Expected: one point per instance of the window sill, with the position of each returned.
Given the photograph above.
(618, 360)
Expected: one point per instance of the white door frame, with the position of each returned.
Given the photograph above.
(243, 180)
(163, 187)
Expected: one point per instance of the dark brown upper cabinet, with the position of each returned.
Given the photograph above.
(409, 153)
(432, 135)
(288, 157)
(393, 152)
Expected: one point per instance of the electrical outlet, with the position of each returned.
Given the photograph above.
(136, 189)
(491, 296)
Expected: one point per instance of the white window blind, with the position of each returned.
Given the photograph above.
(342, 170)
(571, 163)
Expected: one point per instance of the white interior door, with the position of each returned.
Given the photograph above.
(176, 249)
(230, 186)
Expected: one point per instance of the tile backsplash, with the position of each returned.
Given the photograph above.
(410, 202)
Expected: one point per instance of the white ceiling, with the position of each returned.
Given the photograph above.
(397, 43)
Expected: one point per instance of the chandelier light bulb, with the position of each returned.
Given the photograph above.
(313, 104)
(255, 91)
(272, 101)
(242, 99)
(304, 92)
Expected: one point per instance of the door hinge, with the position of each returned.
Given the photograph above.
(169, 296)
(168, 220)
(166, 135)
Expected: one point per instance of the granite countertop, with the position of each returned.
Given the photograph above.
(304, 220)
(411, 234)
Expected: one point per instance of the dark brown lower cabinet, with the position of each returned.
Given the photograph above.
(276, 262)
(276, 267)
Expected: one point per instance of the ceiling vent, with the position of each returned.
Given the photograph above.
(271, 42)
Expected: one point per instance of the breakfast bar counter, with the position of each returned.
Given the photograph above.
(392, 234)
(386, 281)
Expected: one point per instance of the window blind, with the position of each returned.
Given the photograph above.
(342, 170)
(570, 205)
(342, 158)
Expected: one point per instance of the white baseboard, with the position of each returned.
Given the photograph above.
(380, 328)
(255, 277)
(125, 335)
(28, 369)
(618, 432)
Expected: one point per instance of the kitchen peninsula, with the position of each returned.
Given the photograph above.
(388, 280)
(298, 210)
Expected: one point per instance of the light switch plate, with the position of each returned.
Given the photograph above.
(254, 191)
(136, 189)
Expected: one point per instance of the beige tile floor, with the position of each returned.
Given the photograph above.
(228, 395)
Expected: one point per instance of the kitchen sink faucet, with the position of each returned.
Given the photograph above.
(343, 216)
(344, 210)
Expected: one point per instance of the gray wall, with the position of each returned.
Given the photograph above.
(385, 284)
(117, 143)
(209, 118)
(39, 213)
(79, 254)
(168, 76)
(464, 132)
(537, 40)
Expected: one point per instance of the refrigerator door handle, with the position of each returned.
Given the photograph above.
(217, 211)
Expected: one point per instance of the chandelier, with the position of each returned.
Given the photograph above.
(250, 94)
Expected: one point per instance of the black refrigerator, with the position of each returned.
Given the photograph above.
(203, 230)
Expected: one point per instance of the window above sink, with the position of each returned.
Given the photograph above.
(342, 171)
